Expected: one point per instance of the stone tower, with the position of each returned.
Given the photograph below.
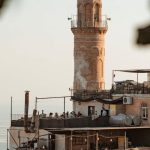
(89, 30)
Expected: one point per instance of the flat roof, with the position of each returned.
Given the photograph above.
(98, 128)
(135, 70)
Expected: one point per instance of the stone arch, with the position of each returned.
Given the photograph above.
(95, 51)
(96, 12)
(80, 14)
(100, 68)
(88, 11)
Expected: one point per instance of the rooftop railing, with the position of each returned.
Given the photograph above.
(127, 87)
(85, 94)
(19, 116)
(46, 122)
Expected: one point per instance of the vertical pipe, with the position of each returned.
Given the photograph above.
(112, 77)
(36, 103)
(125, 141)
(38, 133)
(97, 141)
(19, 138)
(49, 142)
(71, 141)
(11, 112)
(7, 139)
(64, 110)
(87, 140)
(32, 125)
(26, 111)
(137, 82)
(64, 106)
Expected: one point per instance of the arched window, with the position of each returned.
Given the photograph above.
(96, 12)
(87, 13)
(80, 15)
(100, 68)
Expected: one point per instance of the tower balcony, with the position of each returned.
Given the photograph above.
(75, 23)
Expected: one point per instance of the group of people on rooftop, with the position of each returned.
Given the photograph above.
(61, 116)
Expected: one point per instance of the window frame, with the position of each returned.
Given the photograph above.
(144, 111)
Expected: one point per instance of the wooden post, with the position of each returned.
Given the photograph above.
(97, 141)
(125, 141)
(71, 141)
(87, 140)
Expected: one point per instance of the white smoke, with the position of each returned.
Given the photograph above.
(81, 66)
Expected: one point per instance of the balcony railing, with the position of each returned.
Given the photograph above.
(91, 95)
(130, 87)
(97, 24)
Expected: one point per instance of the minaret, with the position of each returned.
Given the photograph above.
(89, 51)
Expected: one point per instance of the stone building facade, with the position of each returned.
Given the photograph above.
(89, 50)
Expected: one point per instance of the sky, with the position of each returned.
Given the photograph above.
(36, 49)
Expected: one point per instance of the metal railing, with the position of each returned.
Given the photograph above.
(102, 24)
(85, 94)
(75, 22)
(19, 116)
(131, 89)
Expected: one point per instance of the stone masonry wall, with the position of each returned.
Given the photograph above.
(89, 52)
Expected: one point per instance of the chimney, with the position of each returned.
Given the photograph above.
(26, 111)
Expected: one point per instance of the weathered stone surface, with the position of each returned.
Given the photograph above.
(89, 50)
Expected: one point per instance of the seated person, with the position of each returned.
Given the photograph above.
(79, 114)
(67, 114)
(62, 115)
(73, 114)
(56, 115)
(50, 115)
(42, 115)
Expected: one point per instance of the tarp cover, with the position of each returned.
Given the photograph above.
(105, 101)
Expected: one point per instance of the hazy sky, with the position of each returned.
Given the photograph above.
(36, 47)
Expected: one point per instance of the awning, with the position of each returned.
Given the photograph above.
(135, 70)
(104, 101)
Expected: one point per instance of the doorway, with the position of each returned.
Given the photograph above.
(91, 110)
